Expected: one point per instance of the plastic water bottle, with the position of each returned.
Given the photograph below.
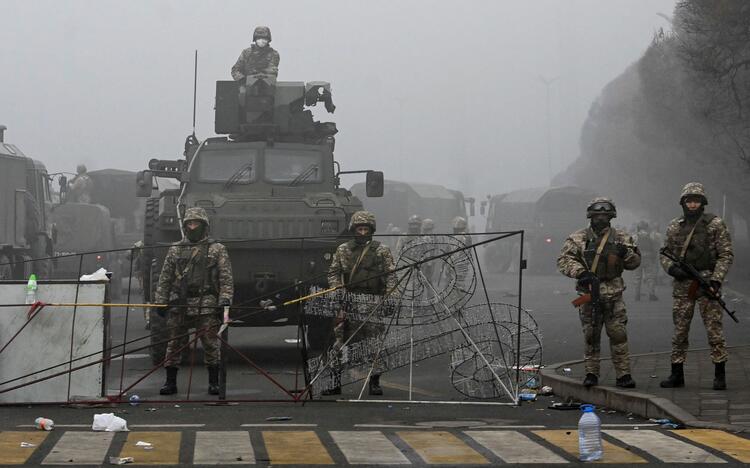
(31, 289)
(44, 424)
(589, 435)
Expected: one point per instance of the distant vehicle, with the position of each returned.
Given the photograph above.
(267, 185)
(403, 199)
(548, 216)
(82, 227)
(25, 230)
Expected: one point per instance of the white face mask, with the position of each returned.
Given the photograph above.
(261, 42)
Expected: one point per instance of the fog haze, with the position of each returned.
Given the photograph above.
(426, 91)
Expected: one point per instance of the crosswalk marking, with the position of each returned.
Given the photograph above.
(368, 448)
(223, 448)
(568, 441)
(732, 445)
(165, 451)
(11, 452)
(441, 447)
(295, 448)
(80, 448)
(514, 447)
(665, 448)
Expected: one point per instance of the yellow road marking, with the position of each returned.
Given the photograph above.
(295, 448)
(568, 441)
(11, 452)
(165, 451)
(441, 447)
(734, 446)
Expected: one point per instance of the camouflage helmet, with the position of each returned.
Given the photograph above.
(262, 32)
(693, 189)
(415, 219)
(362, 218)
(195, 214)
(601, 205)
(459, 222)
(428, 224)
(80, 169)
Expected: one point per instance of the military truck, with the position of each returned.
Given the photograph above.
(25, 230)
(548, 216)
(272, 191)
(403, 199)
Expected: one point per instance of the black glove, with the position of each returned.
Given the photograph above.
(677, 273)
(224, 302)
(622, 250)
(161, 311)
(716, 286)
(585, 279)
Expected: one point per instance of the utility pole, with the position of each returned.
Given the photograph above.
(548, 84)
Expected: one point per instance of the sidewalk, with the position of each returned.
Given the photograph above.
(697, 404)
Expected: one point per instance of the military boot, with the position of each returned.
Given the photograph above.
(591, 380)
(170, 386)
(720, 381)
(213, 380)
(676, 378)
(374, 385)
(626, 381)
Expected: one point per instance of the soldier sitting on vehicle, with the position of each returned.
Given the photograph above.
(258, 59)
(197, 275)
(79, 187)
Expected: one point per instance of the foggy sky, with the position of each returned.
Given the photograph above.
(433, 91)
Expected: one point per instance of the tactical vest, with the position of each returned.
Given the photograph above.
(610, 264)
(699, 252)
(368, 277)
(196, 275)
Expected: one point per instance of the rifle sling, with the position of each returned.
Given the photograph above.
(599, 250)
(689, 238)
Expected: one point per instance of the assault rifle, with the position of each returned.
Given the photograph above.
(699, 282)
(590, 297)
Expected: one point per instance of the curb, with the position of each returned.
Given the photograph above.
(642, 404)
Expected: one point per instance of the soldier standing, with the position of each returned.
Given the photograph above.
(646, 274)
(414, 227)
(80, 186)
(597, 255)
(361, 265)
(701, 240)
(197, 273)
(459, 230)
(258, 59)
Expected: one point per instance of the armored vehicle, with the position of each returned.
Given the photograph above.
(25, 230)
(548, 215)
(403, 199)
(271, 188)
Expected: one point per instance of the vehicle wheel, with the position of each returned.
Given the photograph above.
(42, 268)
(159, 332)
(6, 271)
(319, 333)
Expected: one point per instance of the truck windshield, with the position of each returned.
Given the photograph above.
(293, 167)
(221, 166)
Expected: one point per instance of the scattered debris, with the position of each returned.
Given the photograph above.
(27, 445)
(108, 422)
(134, 400)
(653, 376)
(151, 409)
(141, 443)
(120, 460)
(44, 424)
(279, 418)
(545, 391)
(565, 406)
(527, 396)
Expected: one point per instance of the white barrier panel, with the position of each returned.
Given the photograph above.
(46, 342)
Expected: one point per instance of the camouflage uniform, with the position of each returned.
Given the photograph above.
(203, 273)
(612, 313)
(257, 60)
(359, 268)
(80, 186)
(459, 230)
(710, 252)
(405, 242)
